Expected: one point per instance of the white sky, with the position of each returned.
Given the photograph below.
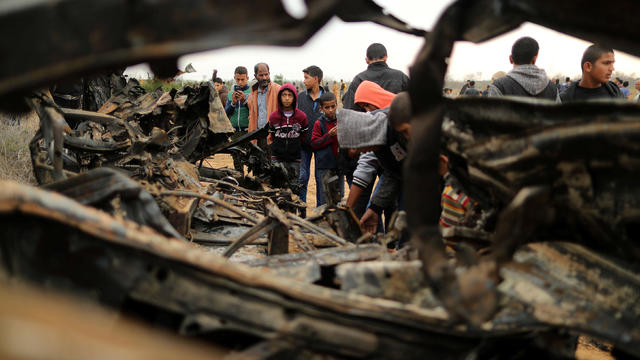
(339, 50)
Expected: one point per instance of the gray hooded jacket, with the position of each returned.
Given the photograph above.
(532, 82)
(358, 129)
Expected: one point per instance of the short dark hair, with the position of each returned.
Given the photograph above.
(325, 97)
(625, 84)
(524, 50)
(218, 80)
(255, 67)
(241, 70)
(400, 110)
(376, 51)
(472, 83)
(313, 71)
(593, 53)
(567, 79)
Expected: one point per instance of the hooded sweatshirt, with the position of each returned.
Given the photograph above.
(525, 80)
(357, 129)
(372, 93)
(287, 129)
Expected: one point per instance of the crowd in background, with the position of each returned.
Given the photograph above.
(360, 132)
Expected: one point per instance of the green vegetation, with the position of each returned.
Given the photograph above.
(152, 84)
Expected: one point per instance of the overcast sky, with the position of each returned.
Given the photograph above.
(339, 49)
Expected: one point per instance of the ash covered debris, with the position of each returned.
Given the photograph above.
(128, 217)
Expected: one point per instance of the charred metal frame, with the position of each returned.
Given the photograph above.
(159, 31)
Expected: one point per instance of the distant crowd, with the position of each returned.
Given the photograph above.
(367, 139)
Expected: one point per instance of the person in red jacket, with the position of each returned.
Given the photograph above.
(287, 125)
(324, 141)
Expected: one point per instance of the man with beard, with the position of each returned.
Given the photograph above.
(262, 101)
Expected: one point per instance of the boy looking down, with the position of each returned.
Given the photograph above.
(324, 142)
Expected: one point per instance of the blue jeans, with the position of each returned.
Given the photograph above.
(320, 190)
(305, 172)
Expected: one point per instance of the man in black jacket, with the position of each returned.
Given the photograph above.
(379, 72)
(525, 79)
(597, 67)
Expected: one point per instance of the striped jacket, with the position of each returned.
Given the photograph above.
(455, 205)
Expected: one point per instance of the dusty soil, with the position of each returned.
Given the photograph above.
(587, 350)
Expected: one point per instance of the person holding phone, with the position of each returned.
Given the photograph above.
(237, 109)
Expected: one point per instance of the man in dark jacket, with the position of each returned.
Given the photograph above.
(525, 79)
(389, 79)
(464, 87)
(379, 72)
(597, 67)
(471, 90)
(309, 103)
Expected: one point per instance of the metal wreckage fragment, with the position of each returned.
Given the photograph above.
(127, 214)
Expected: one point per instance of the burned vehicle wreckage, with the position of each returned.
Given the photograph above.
(130, 216)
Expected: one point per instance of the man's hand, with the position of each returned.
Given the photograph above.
(370, 221)
(234, 98)
(333, 131)
(240, 95)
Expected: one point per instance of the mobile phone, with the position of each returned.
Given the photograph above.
(237, 88)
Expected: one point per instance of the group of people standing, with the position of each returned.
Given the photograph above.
(306, 125)
(368, 138)
(528, 80)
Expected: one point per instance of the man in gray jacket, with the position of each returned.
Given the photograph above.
(525, 79)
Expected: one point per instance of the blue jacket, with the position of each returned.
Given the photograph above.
(310, 108)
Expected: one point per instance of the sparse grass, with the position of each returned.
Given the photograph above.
(152, 84)
(15, 160)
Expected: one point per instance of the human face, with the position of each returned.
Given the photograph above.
(263, 76)
(368, 107)
(240, 79)
(638, 85)
(287, 99)
(601, 70)
(329, 109)
(217, 85)
(310, 81)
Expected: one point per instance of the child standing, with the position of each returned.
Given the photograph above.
(287, 125)
(325, 142)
